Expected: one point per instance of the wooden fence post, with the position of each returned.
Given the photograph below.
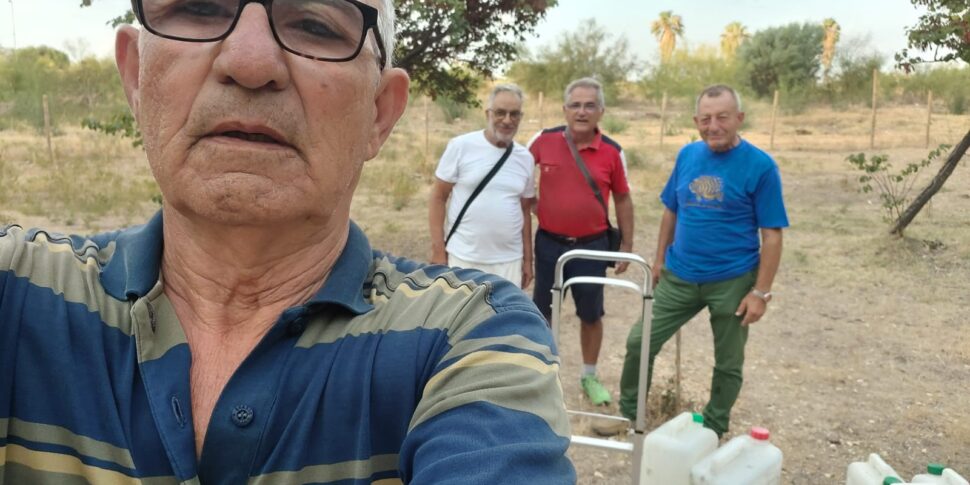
(47, 128)
(540, 110)
(663, 118)
(875, 97)
(427, 131)
(774, 118)
(929, 116)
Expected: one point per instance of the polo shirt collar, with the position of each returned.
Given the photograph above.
(594, 144)
(133, 269)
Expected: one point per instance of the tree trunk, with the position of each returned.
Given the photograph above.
(935, 185)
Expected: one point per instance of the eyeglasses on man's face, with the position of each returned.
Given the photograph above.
(576, 106)
(500, 114)
(324, 30)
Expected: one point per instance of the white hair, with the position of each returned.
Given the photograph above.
(715, 91)
(385, 22)
(505, 88)
(586, 82)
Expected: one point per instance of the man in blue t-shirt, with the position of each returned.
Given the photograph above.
(722, 192)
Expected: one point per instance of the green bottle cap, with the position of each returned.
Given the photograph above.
(699, 418)
(935, 468)
(889, 480)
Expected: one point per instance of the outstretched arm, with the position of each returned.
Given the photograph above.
(492, 412)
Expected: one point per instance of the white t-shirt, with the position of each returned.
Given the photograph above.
(491, 229)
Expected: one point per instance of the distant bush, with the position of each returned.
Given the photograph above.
(635, 157)
(687, 73)
(590, 51)
(451, 109)
(614, 126)
(88, 88)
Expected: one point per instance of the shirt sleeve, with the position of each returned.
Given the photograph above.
(618, 181)
(533, 149)
(530, 183)
(492, 412)
(448, 164)
(769, 205)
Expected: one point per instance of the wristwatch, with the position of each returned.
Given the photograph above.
(766, 296)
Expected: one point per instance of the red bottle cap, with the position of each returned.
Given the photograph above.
(760, 433)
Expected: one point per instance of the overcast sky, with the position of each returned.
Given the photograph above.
(58, 22)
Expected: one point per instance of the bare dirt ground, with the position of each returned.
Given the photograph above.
(864, 349)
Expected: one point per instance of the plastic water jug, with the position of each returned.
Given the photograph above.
(939, 474)
(670, 450)
(873, 471)
(749, 459)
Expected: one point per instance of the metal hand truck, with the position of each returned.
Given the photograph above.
(646, 294)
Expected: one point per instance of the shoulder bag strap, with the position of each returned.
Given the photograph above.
(589, 178)
(478, 190)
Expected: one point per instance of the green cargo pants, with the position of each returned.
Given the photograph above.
(675, 302)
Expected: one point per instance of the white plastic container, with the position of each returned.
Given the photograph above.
(873, 471)
(940, 475)
(750, 459)
(670, 450)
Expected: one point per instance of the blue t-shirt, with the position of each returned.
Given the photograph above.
(721, 200)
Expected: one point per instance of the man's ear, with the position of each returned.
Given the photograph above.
(126, 56)
(391, 100)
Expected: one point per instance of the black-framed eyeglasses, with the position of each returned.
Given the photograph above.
(324, 30)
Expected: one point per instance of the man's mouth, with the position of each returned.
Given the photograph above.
(254, 137)
(249, 132)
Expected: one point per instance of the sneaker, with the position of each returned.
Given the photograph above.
(595, 391)
(611, 427)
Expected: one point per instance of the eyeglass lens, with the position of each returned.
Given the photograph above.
(579, 106)
(501, 114)
(329, 29)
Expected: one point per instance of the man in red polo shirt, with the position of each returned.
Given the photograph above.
(571, 217)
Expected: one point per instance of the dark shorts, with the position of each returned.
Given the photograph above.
(588, 298)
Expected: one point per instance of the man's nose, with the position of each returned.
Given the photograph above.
(251, 57)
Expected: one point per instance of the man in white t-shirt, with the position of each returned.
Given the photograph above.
(495, 232)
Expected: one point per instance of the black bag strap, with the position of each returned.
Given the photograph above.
(478, 190)
(589, 178)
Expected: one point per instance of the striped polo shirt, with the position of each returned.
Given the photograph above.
(393, 372)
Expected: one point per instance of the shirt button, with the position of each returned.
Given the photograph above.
(242, 415)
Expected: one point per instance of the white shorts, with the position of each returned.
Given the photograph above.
(511, 271)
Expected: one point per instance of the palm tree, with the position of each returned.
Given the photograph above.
(666, 29)
(831, 37)
(734, 35)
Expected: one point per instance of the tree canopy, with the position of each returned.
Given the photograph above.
(943, 30)
(784, 58)
(588, 51)
(666, 29)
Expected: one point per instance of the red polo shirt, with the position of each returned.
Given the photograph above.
(567, 205)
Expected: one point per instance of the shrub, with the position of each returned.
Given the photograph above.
(614, 126)
(893, 187)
